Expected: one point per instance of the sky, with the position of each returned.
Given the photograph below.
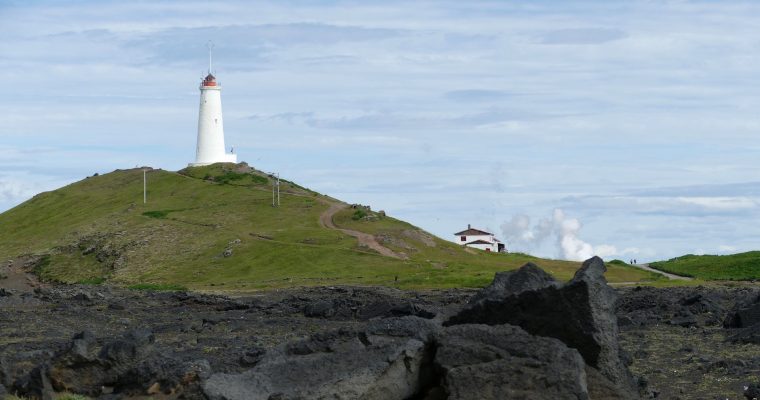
(567, 128)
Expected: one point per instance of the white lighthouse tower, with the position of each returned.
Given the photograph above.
(210, 148)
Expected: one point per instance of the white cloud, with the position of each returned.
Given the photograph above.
(14, 190)
(457, 111)
(606, 251)
(630, 251)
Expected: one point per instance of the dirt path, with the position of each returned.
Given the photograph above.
(15, 278)
(646, 267)
(326, 220)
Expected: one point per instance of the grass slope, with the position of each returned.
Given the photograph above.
(743, 266)
(214, 228)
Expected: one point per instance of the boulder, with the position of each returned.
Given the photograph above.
(82, 296)
(752, 391)
(385, 361)
(82, 348)
(684, 318)
(86, 365)
(36, 384)
(580, 313)
(482, 362)
(157, 374)
(319, 309)
(743, 316)
(252, 356)
(130, 365)
(510, 283)
(17, 365)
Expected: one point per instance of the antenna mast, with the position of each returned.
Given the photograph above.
(210, 46)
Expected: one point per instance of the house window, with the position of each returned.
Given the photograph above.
(463, 238)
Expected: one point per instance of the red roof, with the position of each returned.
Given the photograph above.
(473, 231)
(209, 80)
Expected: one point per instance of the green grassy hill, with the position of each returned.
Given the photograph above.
(743, 266)
(215, 228)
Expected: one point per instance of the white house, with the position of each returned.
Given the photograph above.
(478, 239)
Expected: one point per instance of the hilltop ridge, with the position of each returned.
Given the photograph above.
(214, 227)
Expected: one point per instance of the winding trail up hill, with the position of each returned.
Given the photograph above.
(326, 220)
(214, 227)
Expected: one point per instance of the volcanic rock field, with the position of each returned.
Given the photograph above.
(526, 336)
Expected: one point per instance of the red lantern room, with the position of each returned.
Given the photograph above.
(209, 80)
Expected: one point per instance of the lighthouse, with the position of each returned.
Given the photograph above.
(210, 147)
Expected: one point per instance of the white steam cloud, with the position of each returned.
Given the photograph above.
(522, 235)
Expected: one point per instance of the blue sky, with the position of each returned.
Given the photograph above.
(569, 128)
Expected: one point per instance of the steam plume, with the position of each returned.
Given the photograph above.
(521, 235)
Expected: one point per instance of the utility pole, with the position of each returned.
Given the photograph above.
(145, 188)
(275, 188)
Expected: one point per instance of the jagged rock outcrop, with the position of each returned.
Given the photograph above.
(410, 357)
(580, 313)
(511, 283)
(386, 361)
(744, 315)
(745, 318)
(505, 362)
(36, 384)
(129, 365)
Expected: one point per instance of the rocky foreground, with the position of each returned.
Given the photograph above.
(525, 336)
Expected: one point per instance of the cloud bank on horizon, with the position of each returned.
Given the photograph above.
(635, 120)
